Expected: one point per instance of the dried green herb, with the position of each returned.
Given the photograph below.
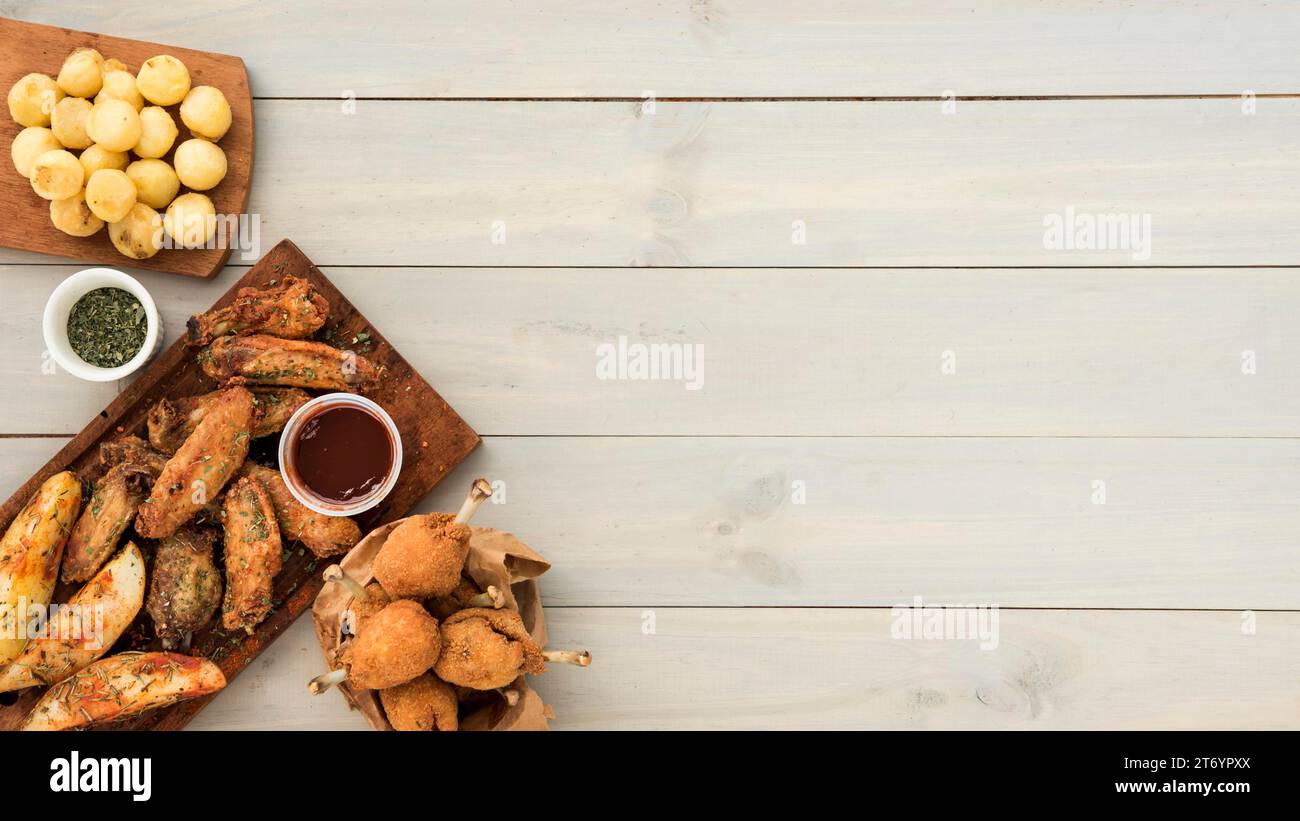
(107, 327)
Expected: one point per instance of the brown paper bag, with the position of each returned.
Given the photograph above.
(495, 558)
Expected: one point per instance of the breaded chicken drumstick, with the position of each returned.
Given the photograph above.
(423, 703)
(424, 555)
(487, 649)
(395, 645)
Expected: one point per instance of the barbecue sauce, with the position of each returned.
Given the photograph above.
(343, 453)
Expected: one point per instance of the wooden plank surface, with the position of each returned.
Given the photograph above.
(1178, 523)
(725, 184)
(723, 48)
(970, 487)
(723, 668)
(1060, 353)
(42, 49)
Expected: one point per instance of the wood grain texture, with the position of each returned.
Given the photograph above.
(1141, 352)
(42, 49)
(733, 184)
(751, 668)
(588, 48)
(730, 184)
(1186, 523)
(434, 441)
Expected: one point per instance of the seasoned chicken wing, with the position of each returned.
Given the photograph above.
(252, 555)
(200, 468)
(186, 585)
(134, 450)
(171, 421)
(323, 535)
(265, 360)
(291, 309)
(116, 497)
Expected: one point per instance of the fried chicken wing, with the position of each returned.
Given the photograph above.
(113, 503)
(200, 468)
(171, 421)
(323, 535)
(252, 555)
(186, 586)
(266, 360)
(133, 450)
(291, 309)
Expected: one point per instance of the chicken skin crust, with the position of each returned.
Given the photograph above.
(323, 535)
(295, 363)
(423, 703)
(252, 555)
(185, 590)
(171, 421)
(291, 309)
(200, 468)
(485, 649)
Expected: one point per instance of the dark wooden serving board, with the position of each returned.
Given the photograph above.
(434, 440)
(29, 47)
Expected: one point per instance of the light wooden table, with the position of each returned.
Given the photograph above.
(905, 392)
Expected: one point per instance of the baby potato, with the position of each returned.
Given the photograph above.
(114, 64)
(110, 194)
(120, 85)
(82, 74)
(157, 132)
(56, 175)
(206, 112)
(32, 100)
(31, 143)
(115, 125)
(156, 183)
(73, 216)
(163, 80)
(68, 122)
(191, 220)
(200, 164)
(97, 157)
(139, 234)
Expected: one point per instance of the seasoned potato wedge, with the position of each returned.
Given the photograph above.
(30, 554)
(121, 686)
(85, 630)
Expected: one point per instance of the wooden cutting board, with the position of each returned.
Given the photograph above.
(28, 48)
(434, 440)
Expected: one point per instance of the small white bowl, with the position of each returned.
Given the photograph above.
(303, 493)
(55, 323)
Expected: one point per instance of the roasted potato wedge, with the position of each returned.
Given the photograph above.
(30, 554)
(85, 630)
(121, 686)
